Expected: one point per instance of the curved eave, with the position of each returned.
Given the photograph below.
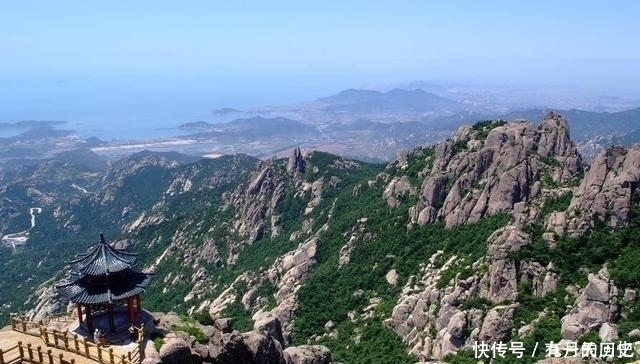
(103, 259)
(85, 291)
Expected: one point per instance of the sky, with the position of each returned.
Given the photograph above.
(65, 57)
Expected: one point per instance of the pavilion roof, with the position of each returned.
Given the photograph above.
(103, 259)
(90, 290)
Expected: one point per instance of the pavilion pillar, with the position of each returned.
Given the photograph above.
(112, 324)
(79, 308)
(130, 310)
(138, 304)
(89, 319)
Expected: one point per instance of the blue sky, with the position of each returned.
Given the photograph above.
(261, 48)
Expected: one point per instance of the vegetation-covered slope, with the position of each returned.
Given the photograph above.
(497, 234)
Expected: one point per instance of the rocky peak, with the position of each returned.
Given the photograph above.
(605, 192)
(296, 163)
(488, 168)
(554, 137)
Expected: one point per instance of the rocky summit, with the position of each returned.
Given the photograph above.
(500, 234)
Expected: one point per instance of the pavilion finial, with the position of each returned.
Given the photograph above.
(102, 241)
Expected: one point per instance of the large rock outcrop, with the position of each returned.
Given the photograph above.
(435, 320)
(430, 319)
(397, 189)
(261, 345)
(175, 351)
(296, 162)
(286, 274)
(605, 192)
(471, 177)
(309, 354)
(597, 305)
(502, 278)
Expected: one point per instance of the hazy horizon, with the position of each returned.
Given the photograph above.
(86, 62)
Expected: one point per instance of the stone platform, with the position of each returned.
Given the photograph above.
(101, 321)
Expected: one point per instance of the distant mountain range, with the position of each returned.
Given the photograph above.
(396, 100)
(258, 127)
(225, 111)
(362, 124)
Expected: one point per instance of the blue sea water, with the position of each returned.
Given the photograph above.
(7, 133)
(138, 109)
(143, 106)
(141, 125)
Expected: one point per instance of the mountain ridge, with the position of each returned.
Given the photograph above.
(417, 100)
(466, 240)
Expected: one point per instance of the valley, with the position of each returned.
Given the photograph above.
(17, 239)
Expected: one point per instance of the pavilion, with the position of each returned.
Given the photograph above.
(104, 279)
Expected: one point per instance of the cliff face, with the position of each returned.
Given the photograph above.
(472, 177)
(260, 241)
(605, 192)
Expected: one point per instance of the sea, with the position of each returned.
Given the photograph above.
(121, 111)
(146, 123)
(139, 108)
